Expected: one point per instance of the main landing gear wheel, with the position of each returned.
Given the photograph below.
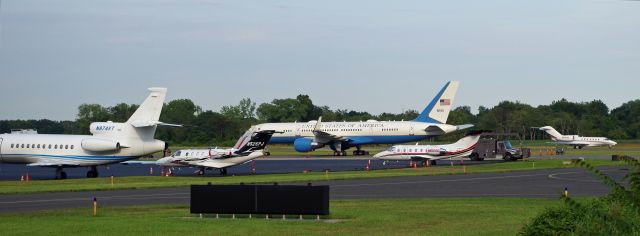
(60, 174)
(223, 171)
(201, 172)
(337, 153)
(360, 153)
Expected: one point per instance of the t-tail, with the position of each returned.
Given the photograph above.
(141, 125)
(253, 141)
(551, 131)
(469, 140)
(438, 109)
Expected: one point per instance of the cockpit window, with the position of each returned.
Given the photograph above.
(391, 149)
(177, 154)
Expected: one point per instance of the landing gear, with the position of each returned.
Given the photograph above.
(360, 152)
(340, 153)
(200, 172)
(432, 162)
(223, 171)
(60, 174)
(93, 172)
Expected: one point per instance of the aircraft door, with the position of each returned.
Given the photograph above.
(411, 130)
(0, 149)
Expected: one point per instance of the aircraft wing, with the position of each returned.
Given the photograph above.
(213, 164)
(52, 163)
(325, 137)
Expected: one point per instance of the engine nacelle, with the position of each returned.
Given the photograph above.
(104, 127)
(436, 151)
(100, 145)
(305, 145)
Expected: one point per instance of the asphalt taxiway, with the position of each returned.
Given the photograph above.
(526, 184)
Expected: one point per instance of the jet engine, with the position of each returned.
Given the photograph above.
(100, 145)
(305, 145)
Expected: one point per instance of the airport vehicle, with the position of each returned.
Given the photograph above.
(250, 146)
(577, 141)
(461, 148)
(340, 136)
(109, 143)
(496, 148)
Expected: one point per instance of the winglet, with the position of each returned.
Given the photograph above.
(318, 123)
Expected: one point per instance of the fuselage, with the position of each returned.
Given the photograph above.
(584, 141)
(68, 149)
(369, 132)
(197, 157)
(429, 152)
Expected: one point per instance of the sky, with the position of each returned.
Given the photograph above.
(374, 56)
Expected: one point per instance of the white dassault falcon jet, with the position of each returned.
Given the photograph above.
(109, 143)
(577, 141)
(461, 148)
(250, 146)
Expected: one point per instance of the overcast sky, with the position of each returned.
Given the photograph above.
(375, 56)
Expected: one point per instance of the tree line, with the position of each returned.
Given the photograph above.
(207, 127)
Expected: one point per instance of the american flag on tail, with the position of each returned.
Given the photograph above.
(445, 102)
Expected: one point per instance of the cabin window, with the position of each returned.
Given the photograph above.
(28, 146)
(186, 154)
(55, 147)
(66, 146)
(12, 145)
(72, 146)
(38, 146)
(49, 146)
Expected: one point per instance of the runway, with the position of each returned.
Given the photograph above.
(527, 184)
(269, 165)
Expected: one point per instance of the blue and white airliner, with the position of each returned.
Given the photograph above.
(109, 143)
(340, 136)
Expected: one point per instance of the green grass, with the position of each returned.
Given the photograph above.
(474, 216)
(134, 182)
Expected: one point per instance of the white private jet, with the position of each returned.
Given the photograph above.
(461, 148)
(109, 143)
(250, 146)
(577, 141)
(341, 136)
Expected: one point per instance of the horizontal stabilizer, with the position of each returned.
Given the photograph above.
(140, 124)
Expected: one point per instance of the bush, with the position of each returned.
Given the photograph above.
(615, 214)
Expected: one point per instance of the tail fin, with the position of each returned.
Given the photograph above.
(551, 131)
(257, 141)
(438, 109)
(148, 113)
(469, 140)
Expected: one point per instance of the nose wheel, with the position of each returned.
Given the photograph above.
(93, 172)
(60, 174)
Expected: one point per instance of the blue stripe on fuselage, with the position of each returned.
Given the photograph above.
(87, 158)
(360, 140)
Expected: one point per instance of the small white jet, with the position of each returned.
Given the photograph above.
(340, 136)
(250, 146)
(109, 143)
(577, 141)
(461, 148)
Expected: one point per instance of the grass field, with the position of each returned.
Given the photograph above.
(473, 216)
(133, 182)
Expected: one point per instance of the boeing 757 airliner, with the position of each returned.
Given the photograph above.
(341, 136)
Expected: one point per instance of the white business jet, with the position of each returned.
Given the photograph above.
(577, 141)
(250, 146)
(109, 143)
